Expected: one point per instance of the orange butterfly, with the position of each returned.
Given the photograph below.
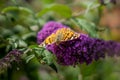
(60, 35)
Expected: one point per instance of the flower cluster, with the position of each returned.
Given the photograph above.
(5, 62)
(82, 49)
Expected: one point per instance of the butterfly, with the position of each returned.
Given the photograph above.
(60, 35)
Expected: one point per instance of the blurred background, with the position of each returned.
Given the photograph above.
(20, 20)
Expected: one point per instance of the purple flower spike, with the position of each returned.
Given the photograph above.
(82, 50)
(48, 29)
(113, 48)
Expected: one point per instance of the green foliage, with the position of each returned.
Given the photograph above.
(28, 58)
(48, 1)
(62, 10)
(87, 26)
(13, 8)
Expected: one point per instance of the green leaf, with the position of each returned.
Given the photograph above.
(87, 26)
(60, 9)
(53, 66)
(33, 46)
(27, 35)
(13, 8)
(48, 57)
(28, 58)
(15, 45)
(22, 43)
(18, 15)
